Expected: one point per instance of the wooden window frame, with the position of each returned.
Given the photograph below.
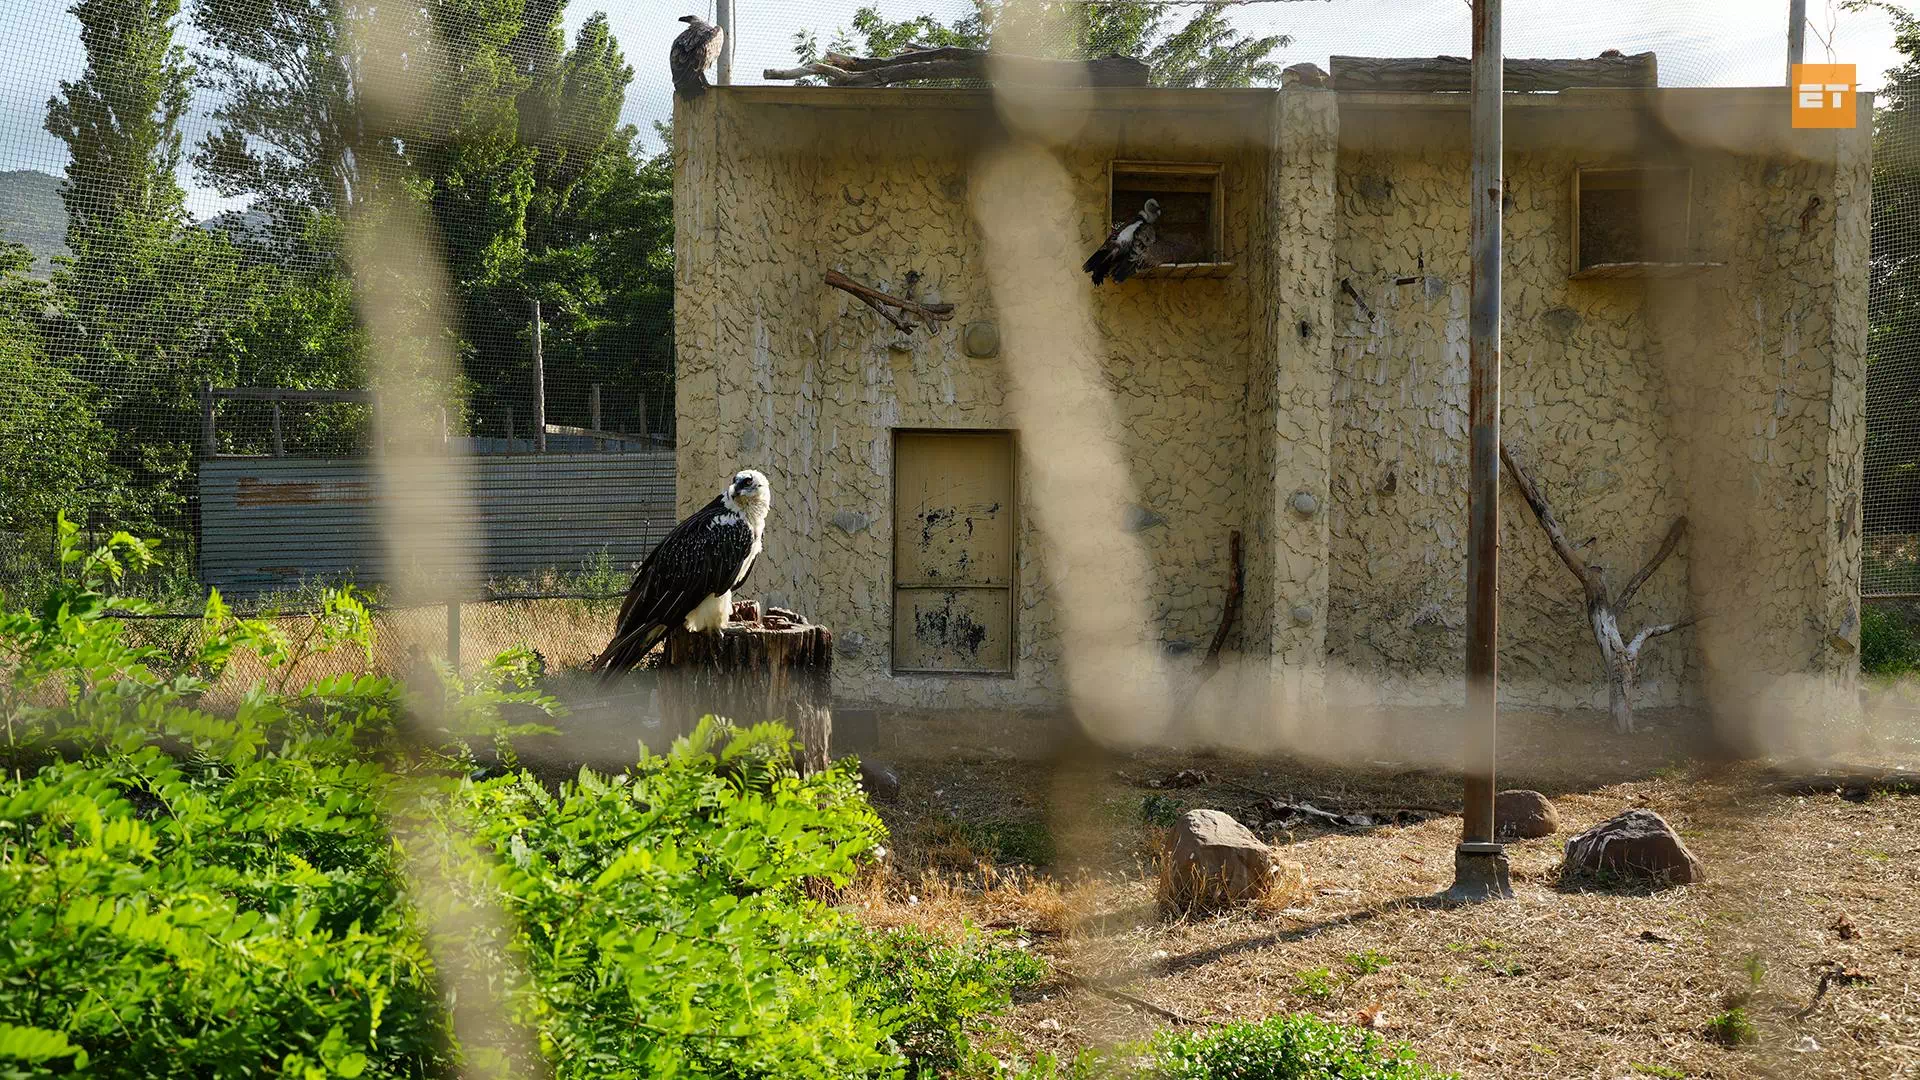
(1013, 556)
(1212, 172)
(1610, 177)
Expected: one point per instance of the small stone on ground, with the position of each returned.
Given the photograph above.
(1524, 814)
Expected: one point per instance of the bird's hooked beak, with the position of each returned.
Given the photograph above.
(688, 18)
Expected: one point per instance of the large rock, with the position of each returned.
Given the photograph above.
(1214, 860)
(1524, 814)
(1638, 843)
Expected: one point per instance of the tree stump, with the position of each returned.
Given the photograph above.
(779, 668)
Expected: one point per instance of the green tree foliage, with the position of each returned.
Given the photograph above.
(200, 895)
(121, 118)
(52, 449)
(1204, 50)
(144, 296)
(294, 132)
(517, 151)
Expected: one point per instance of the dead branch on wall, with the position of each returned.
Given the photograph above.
(930, 315)
(1450, 73)
(972, 65)
(1229, 615)
(1620, 654)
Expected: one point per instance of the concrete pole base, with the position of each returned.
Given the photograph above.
(1480, 873)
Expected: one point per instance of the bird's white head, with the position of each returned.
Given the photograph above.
(1151, 211)
(748, 494)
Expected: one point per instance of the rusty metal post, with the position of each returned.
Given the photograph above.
(1796, 36)
(1480, 863)
(539, 385)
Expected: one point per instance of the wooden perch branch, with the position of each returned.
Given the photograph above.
(1620, 655)
(930, 315)
(921, 65)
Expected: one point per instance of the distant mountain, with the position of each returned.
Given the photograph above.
(31, 213)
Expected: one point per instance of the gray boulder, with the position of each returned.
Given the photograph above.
(1638, 843)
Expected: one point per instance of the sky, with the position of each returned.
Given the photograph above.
(1699, 43)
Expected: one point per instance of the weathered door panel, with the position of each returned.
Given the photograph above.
(952, 629)
(953, 518)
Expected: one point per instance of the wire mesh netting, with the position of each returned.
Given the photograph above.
(185, 346)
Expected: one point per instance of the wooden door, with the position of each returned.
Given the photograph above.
(953, 564)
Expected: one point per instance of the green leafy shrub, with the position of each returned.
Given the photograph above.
(1287, 1047)
(1291, 1047)
(1733, 1028)
(1888, 643)
(928, 985)
(190, 895)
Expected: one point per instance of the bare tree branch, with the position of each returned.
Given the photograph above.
(1674, 532)
(1591, 581)
(1648, 632)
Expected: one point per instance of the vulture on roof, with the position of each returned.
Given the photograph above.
(697, 47)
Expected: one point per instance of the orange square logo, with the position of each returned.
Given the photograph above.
(1823, 96)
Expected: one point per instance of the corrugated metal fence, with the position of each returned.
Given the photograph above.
(273, 524)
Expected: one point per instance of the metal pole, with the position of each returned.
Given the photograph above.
(1480, 864)
(539, 386)
(1796, 36)
(453, 633)
(593, 412)
(723, 68)
(209, 436)
(279, 442)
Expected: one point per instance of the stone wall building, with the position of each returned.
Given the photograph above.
(1299, 376)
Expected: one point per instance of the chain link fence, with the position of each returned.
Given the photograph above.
(182, 350)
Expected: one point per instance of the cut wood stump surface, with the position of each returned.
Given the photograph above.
(778, 667)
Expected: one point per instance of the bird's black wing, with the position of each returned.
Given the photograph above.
(1102, 257)
(703, 556)
(1134, 258)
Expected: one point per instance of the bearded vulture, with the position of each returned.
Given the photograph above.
(697, 47)
(688, 580)
(1125, 249)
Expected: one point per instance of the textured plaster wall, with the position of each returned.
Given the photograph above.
(1584, 405)
(779, 372)
(1289, 399)
(1733, 397)
(1767, 358)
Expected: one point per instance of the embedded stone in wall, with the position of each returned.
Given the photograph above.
(850, 521)
(1140, 519)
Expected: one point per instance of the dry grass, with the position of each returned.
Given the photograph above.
(1571, 979)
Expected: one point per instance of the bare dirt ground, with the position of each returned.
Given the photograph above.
(1570, 979)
